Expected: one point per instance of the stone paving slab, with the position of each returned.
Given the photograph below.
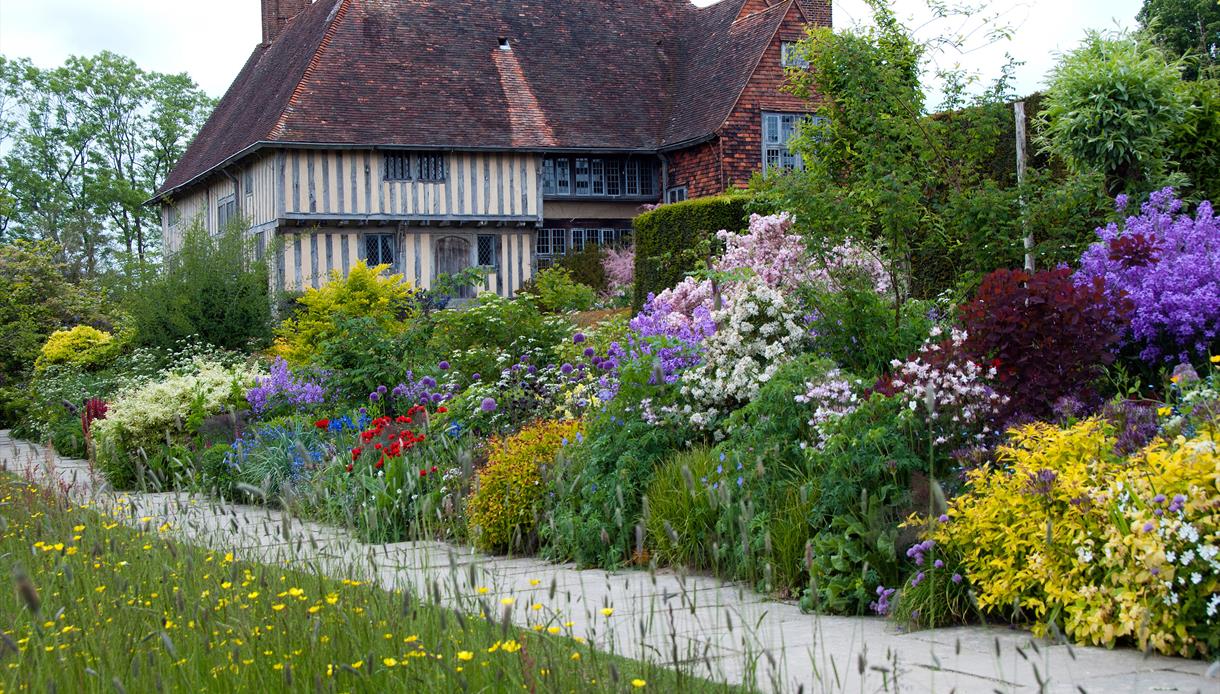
(696, 624)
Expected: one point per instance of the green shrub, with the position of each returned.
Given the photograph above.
(671, 240)
(586, 267)
(68, 438)
(82, 346)
(558, 293)
(851, 557)
(35, 300)
(365, 293)
(682, 510)
(1197, 144)
(212, 288)
(857, 328)
(504, 509)
(473, 337)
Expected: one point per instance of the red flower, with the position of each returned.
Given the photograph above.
(356, 452)
(322, 423)
(380, 464)
(423, 473)
(403, 420)
(350, 467)
(433, 468)
(442, 409)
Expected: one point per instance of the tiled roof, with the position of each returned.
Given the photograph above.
(581, 74)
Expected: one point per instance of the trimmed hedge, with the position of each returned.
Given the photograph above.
(669, 239)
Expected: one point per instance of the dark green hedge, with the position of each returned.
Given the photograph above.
(669, 239)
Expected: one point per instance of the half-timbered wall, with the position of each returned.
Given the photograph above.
(306, 257)
(478, 186)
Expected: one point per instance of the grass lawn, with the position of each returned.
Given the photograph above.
(99, 606)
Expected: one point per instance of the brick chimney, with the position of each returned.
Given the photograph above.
(277, 13)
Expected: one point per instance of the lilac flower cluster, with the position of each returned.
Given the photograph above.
(1168, 265)
(281, 387)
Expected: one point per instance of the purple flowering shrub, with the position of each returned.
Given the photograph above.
(282, 390)
(1167, 264)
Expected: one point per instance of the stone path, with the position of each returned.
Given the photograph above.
(696, 624)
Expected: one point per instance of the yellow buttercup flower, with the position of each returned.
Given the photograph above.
(638, 683)
(389, 662)
(607, 611)
(1216, 359)
(465, 655)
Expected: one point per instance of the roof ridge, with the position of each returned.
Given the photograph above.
(332, 27)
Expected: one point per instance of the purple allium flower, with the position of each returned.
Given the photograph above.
(565, 369)
(381, 390)
(917, 579)
(1158, 499)
(1148, 527)
(578, 338)
(443, 366)
(589, 351)
(944, 518)
(938, 564)
(957, 578)
(374, 396)
(488, 405)
(1040, 483)
(475, 377)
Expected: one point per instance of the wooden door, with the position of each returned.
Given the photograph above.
(453, 255)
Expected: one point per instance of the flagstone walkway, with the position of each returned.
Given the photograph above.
(696, 624)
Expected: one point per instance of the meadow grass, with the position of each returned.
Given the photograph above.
(101, 606)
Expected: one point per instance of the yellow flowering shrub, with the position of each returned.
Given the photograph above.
(504, 506)
(1062, 531)
(81, 346)
(366, 292)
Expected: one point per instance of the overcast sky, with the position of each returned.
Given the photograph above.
(211, 39)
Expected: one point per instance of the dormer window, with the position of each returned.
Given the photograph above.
(504, 44)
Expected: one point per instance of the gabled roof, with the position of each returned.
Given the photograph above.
(625, 75)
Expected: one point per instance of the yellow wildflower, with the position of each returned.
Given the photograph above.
(638, 683)
(465, 655)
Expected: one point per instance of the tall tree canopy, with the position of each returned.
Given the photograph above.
(1189, 28)
(85, 145)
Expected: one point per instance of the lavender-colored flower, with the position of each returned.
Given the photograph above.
(1166, 264)
(381, 390)
(1178, 503)
(1148, 527)
(589, 352)
(443, 366)
(374, 396)
(283, 387)
(578, 338)
(475, 377)
(566, 369)
(944, 518)
(488, 405)
(917, 579)
(1158, 499)
(882, 604)
(957, 578)
(938, 564)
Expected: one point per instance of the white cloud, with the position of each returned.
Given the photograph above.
(212, 39)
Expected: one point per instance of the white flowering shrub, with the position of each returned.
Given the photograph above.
(756, 335)
(952, 392)
(831, 397)
(152, 415)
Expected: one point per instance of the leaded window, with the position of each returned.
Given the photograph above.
(430, 167)
(397, 166)
(790, 55)
(379, 249)
(599, 177)
(677, 194)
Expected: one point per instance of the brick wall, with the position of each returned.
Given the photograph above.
(741, 136)
(697, 168)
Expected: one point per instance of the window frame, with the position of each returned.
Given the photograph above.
(431, 167)
(393, 250)
(775, 150)
(676, 194)
(226, 211)
(786, 57)
(397, 166)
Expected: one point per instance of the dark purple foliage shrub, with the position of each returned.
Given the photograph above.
(1046, 336)
(1168, 265)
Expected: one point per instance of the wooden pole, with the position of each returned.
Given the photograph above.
(1019, 116)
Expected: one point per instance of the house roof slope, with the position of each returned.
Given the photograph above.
(625, 75)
